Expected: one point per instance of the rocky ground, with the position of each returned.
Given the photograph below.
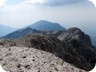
(21, 59)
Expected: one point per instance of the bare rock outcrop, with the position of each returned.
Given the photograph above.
(20, 59)
(7, 42)
(77, 34)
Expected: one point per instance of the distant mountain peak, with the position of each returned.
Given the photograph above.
(44, 25)
(43, 21)
(40, 27)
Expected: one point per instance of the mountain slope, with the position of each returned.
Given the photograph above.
(23, 59)
(43, 25)
(21, 33)
(76, 47)
(4, 30)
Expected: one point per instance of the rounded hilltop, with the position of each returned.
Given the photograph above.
(44, 25)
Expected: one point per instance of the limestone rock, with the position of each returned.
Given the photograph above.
(20, 59)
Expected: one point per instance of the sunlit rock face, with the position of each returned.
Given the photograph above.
(22, 59)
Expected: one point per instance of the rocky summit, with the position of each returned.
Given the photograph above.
(44, 25)
(22, 59)
(74, 48)
(77, 34)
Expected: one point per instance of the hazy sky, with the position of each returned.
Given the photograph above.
(69, 13)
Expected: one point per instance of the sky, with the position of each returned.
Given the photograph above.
(68, 13)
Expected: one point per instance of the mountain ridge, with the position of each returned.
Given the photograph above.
(75, 48)
(20, 33)
(43, 27)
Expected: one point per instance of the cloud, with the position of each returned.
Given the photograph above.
(37, 3)
(28, 11)
(15, 7)
(21, 5)
(2, 2)
(59, 2)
